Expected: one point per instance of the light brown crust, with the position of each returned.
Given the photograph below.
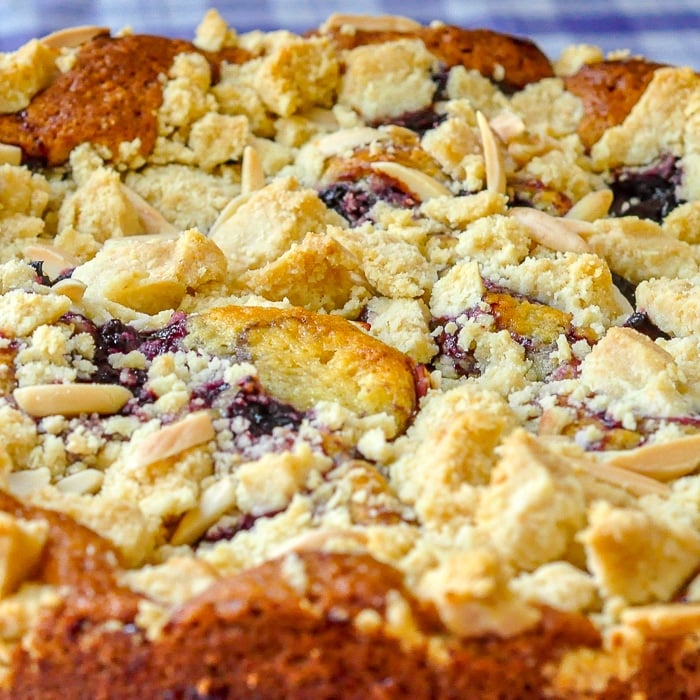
(609, 90)
(483, 50)
(257, 634)
(110, 96)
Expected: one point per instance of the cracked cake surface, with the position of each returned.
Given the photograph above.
(362, 362)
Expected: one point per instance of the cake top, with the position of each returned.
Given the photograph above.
(414, 293)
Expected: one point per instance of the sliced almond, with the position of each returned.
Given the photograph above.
(422, 185)
(493, 158)
(10, 155)
(664, 620)
(595, 205)
(28, 481)
(549, 231)
(507, 126)
(636, 484)
(324, 539)
(70, 37)
(195, 429)
(228, 211)
(369, 23)
(71, 399)
(153, 221)
(252, 174)
(213, 503)
(73, 289)
(83, 482)
(345, 140)
(663, 461)
(54, 261)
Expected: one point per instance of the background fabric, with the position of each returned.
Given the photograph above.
(663, 30)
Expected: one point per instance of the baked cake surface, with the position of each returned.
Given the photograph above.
(362, 363)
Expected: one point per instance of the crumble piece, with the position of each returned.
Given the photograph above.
(672, 304)
(259, 230)
(21, 545)
(637, 556)
(317, 273)
(403, 324)
(23, 73)
(298, 75)
(534, 504)
(152, 275)
(634, 374)
(99, 209)
(387, 80)
(656, 124)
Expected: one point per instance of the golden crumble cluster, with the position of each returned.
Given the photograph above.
(357, 363)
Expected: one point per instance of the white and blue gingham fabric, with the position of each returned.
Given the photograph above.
(667, 31)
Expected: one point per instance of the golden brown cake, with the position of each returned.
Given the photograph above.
(362, 363)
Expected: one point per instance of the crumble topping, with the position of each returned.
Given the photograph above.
(347, 297)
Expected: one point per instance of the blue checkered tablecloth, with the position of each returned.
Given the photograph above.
(664, 30)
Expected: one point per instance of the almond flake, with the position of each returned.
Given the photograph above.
(663, 461)
(228, 211)
(550, 231)
(325, 539)
(347, 140)
(195, 429)
(86, 481)
(153, 221)
(213, 503)
(595, 205)
(507, 126)
(493, 158)
(636, 484)
(54, 261)
(369, 23)
(664, 620)
(252, 174)
(420, 184)
(27, 481)
(71, 37)
(71, 399)
(73, 289)
(10, 155)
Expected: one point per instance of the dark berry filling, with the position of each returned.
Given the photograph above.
(641, 323)
(114, 336)
(627, 288)
(650, 192)
(262, 412)
(452, 359)
(354, 199)
(535, 326)
(230, 525)
(420, 121)
(534, 193)
(42, 278)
